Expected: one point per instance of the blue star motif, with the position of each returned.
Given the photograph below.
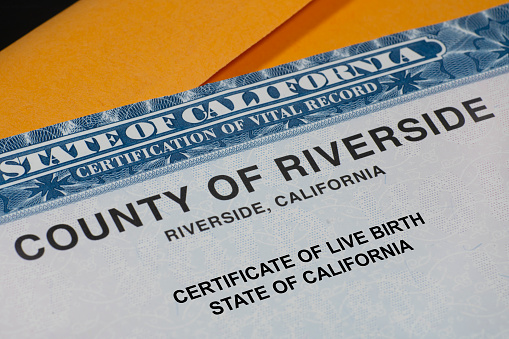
(177, 156)
(295, 122)
(49, 187)
(404, 82)
(504, 50)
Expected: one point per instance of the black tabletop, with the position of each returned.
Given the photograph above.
(18, 17)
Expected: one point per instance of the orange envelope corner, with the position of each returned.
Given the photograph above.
(101, 54)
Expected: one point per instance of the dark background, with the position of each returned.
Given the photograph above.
(18, 17)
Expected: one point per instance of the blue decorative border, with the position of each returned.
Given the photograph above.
(476, 45)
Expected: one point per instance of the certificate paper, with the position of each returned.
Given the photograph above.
(361, 192)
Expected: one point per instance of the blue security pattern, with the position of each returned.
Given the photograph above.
(475, 44)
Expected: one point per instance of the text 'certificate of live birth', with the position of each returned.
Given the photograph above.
(356, 193)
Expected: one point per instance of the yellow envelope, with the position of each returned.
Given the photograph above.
(325, 25)
(101, 54)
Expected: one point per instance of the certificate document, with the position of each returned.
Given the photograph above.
(362, 192)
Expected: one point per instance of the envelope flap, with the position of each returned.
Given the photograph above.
(100, 54)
